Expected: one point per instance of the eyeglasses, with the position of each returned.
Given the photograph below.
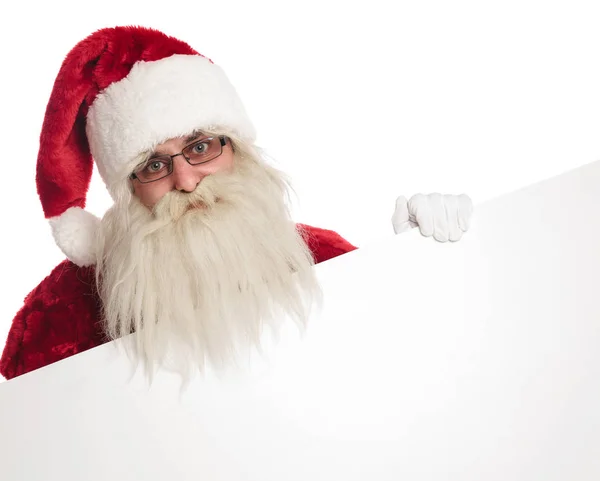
(196, 153)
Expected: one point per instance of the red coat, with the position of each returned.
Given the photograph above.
(60, 316)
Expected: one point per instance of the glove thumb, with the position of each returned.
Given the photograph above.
(401, 220)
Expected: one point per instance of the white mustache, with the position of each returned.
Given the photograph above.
(209, 192)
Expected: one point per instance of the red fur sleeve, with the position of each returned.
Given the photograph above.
(324, 244)
(58, 319)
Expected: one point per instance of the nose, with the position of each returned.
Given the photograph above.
(186, 177)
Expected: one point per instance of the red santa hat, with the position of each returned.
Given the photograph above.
(119, 92)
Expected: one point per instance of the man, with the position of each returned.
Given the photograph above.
(198, 255)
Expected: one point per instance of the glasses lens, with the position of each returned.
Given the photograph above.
(156, 168)
(203, 150)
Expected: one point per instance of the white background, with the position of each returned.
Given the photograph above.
(358, 101)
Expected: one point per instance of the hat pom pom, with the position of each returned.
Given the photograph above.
(75, 232)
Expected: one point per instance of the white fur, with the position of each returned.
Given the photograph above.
(157, 101)
(75, 232)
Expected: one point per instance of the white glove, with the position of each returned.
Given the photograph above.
(445, 217)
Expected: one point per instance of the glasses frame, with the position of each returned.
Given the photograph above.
(222, 142)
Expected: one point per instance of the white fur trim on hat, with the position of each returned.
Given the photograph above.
(75, 232)
(157, 101)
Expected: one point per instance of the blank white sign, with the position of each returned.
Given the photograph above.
(475, 360)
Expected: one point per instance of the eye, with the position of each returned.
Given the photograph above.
(154, 166)
(200, 148)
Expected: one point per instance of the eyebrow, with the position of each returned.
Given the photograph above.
(193, 136)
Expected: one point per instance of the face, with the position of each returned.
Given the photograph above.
(185, 177)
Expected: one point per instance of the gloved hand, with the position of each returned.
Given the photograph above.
(445, 217)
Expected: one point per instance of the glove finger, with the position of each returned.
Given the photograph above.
(440, 217)
(400, 219)
(465, 212)
(452, 208)
(420, 209)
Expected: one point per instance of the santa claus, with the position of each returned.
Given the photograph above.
(198, 254)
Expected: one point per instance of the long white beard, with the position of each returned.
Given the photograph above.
(201, 277)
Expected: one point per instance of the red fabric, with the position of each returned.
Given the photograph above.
(60, 316)
(64, 164)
